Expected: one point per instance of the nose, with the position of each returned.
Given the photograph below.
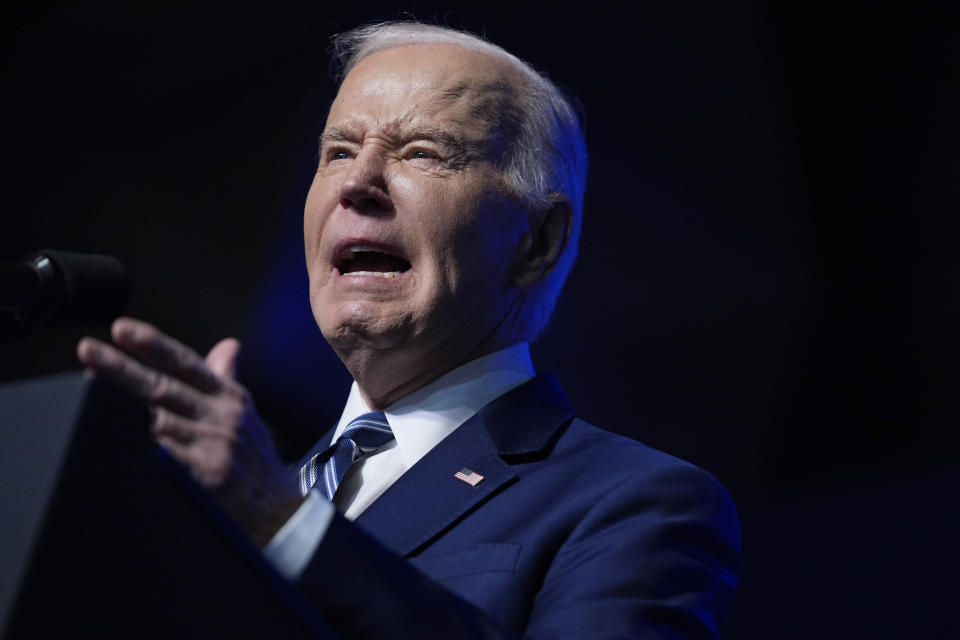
(364, 188)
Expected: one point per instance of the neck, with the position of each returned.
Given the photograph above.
(388, 372)
(383, 378)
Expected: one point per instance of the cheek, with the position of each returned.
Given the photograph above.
(318, 202)
(436, 210)
(424, 197)
(452, 228)
(484, 247)
(484, 224)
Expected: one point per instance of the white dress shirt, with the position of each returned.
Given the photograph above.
(419, 421)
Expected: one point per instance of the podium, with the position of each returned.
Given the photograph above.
(104, 535)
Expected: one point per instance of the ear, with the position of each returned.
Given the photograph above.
(545, 243)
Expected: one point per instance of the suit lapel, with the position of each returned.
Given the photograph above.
(428, 499)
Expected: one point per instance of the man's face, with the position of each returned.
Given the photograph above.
(410, 241)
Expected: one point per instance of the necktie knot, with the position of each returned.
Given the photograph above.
(370, 431)
(327, 469)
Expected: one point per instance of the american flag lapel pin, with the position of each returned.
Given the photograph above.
(469, 476)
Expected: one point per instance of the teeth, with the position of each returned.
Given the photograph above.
(348, 252)
(382, 274)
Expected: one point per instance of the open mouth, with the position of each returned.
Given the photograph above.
(366, 260)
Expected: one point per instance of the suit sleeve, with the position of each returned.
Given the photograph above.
(656, 557)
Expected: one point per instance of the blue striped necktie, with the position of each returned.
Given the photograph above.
(364, 434)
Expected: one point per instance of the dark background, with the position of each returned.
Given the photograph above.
(767, 283)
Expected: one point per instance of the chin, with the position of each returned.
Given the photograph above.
(356, 327)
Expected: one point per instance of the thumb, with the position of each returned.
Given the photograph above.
(222, 358)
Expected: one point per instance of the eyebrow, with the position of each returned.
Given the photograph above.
(335, 134)
(438, 135)
(441, 136)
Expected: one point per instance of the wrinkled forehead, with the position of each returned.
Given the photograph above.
(429, 84)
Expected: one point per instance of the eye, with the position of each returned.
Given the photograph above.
(337, 153)
(422, 154)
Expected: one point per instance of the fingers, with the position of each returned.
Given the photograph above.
(152, 347)
(156, 387)
(176, 449)
(201, 414)
(190, 458)
(206, 454)
(167, 425)
(222, 359)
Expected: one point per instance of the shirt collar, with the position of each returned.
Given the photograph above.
(422, 419)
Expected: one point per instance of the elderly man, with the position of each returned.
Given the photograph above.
(440, 226)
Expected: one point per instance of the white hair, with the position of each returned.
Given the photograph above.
(545, 156)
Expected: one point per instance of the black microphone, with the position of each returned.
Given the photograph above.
(57, 288)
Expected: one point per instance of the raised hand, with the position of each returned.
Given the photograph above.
(203, 417)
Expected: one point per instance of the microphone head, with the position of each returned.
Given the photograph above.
(96, 288)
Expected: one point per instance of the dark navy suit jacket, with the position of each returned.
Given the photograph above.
(574, 532)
